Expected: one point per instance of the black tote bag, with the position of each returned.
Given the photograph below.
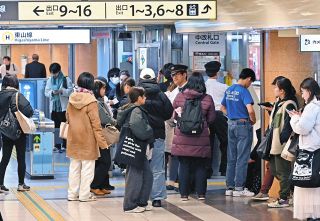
(306, 170)
(9, 126)
(130, 150)
(264, 148)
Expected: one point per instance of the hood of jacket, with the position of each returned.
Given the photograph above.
(151, 86)
(80, 99)
(123, 113)
(191, 94)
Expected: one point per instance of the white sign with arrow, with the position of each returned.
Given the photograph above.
(120, 10)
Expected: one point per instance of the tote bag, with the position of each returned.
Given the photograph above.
(306, 170)
(130, 150)
(264, 148)
(64, 127)
(27, 124)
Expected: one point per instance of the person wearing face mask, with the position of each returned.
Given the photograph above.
(7, 67)
(58, 90)
(113, 81)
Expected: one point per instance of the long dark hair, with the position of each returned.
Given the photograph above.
(286, 85)
(312, 86)
(196, 82)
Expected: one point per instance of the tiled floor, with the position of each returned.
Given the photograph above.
(217, 207)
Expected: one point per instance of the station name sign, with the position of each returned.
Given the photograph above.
(63, 36)
(120, 10)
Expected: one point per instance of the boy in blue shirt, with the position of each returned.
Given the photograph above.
(237, 104)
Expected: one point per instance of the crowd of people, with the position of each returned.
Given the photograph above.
(176, 117)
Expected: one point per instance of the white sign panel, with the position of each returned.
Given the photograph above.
(58, 36)
(204, 42)
(201, 58)
(310, 43)
(143, 58)
(117, 10)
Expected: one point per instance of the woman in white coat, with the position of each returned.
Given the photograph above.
(307, 124)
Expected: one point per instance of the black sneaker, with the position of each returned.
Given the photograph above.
(3, 189)
(109, 187)
(170, 187)
(156, 203)
(23, 187)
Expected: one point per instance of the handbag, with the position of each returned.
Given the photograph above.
(111, 134)
(9, 126)
(291, 147)
(64, 127)
(130, 150)
(27, 124)
(306, 169)
(264, 148)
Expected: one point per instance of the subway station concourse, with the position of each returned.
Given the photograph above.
(271, 37)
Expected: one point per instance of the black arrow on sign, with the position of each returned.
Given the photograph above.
(36, 10)
(206, 8)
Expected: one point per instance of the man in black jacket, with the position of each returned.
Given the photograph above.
(35, 69)
(159, 110)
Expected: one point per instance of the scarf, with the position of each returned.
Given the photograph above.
(83, 90)
(56, 84)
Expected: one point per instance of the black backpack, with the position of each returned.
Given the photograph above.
(191, 121)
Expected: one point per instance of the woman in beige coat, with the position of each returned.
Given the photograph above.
(84, 138)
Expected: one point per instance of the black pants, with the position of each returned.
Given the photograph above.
(20, 145)
(197, 167)
(59, 117)
(220, 128)
(101, 175)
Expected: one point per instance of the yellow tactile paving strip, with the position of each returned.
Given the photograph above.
(37, 206)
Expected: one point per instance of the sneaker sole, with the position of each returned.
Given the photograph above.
(23, 190)
(261, 199)
(279, 206)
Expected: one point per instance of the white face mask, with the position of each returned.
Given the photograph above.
(115, 80)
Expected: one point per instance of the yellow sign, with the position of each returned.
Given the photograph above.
(121, 10)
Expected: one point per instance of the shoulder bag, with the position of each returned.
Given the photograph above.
(27, 124)
(291, 147)
(264, 148)
(111, 133)
(9, 126)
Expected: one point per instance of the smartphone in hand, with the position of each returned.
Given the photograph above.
(265, 104)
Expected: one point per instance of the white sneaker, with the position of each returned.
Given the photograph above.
(136, 210)
(90, 199)
(244, 193)
(148, 208)
(229, 192)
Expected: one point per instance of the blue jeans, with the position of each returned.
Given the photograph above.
(157, 165)
(240, 136)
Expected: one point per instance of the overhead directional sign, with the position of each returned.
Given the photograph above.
(56, 36)
(120, 10)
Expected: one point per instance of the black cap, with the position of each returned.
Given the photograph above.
(212, 66)
(179, 68)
